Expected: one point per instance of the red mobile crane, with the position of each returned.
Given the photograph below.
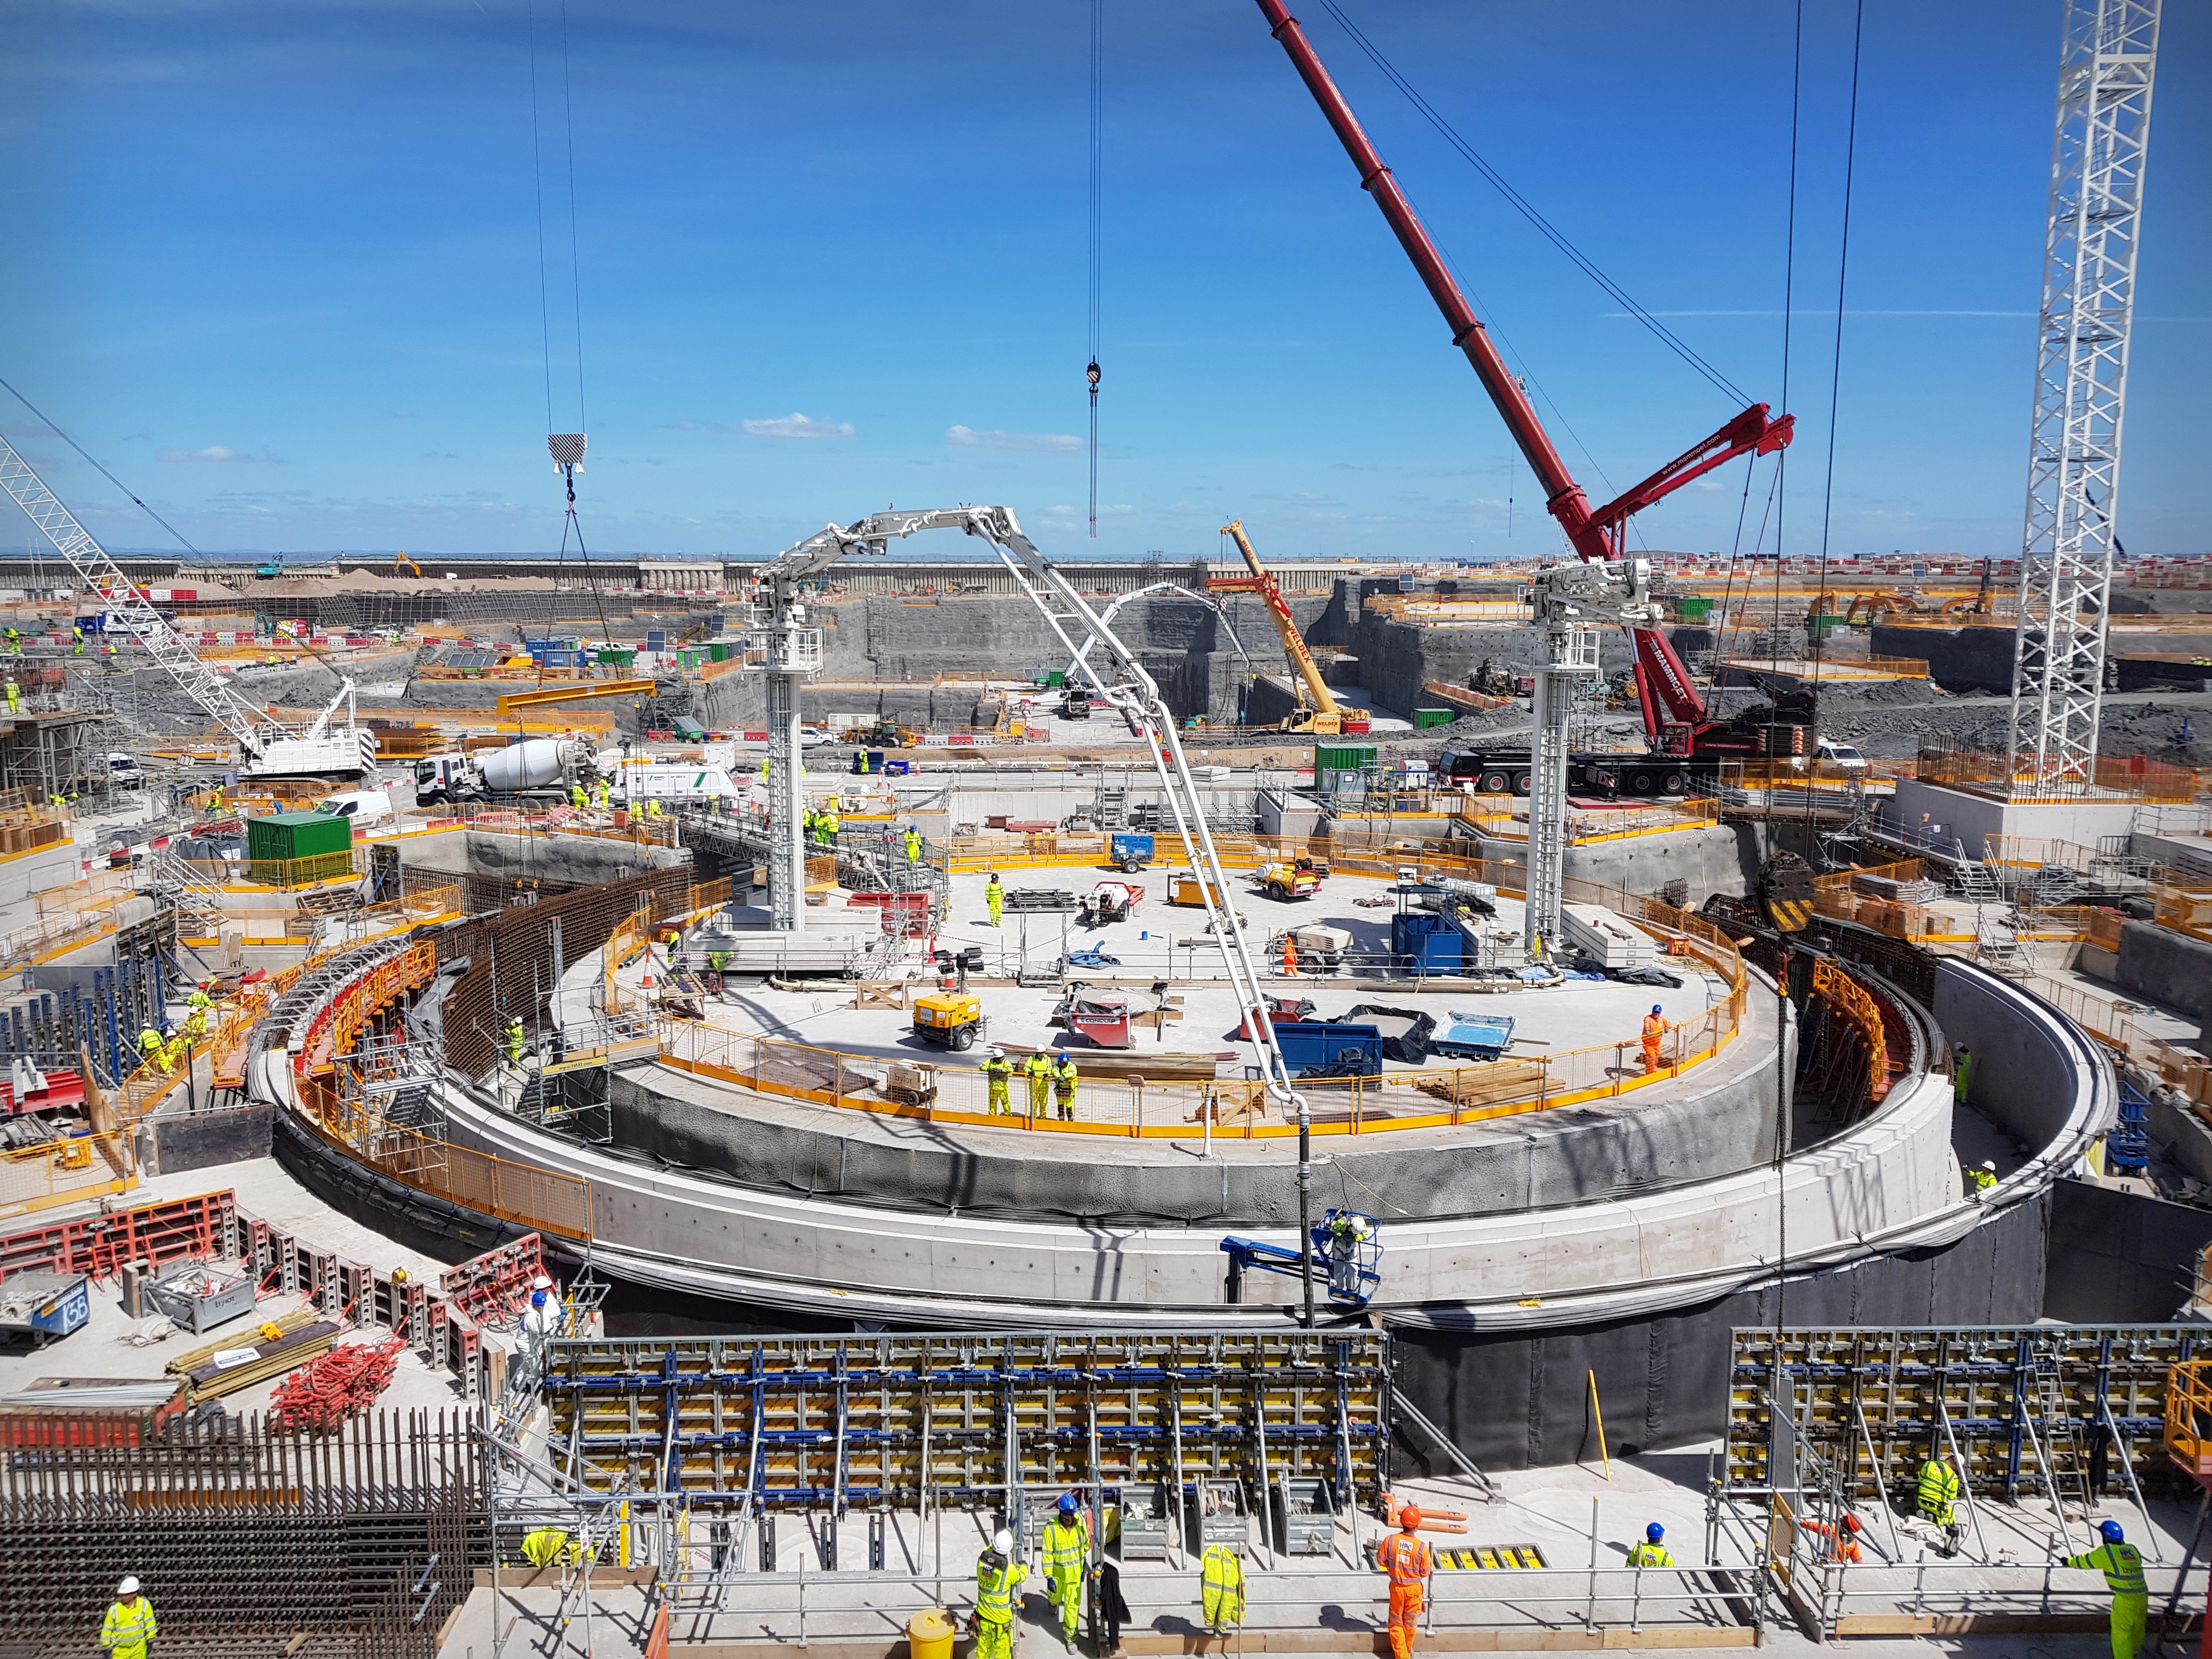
(1676, 720)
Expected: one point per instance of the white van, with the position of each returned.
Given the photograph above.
(363, 806)
(124, 772)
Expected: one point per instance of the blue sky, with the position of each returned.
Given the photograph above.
(278, 267)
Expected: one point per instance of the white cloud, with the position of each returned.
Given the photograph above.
(211, 453)
(795, 425)
(1053, 442)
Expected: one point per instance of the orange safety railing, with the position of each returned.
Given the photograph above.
(1430, 1097)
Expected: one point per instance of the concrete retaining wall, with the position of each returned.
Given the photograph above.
(1724, 1123)
(2166, 967)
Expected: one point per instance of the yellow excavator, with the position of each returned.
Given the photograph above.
(1319, 712)
(398, 559)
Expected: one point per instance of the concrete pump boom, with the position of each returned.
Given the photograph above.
(1328, 717)
(1674, 714)
(1122, 683)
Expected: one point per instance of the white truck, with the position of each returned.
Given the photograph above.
(546, 766)
(675, 783)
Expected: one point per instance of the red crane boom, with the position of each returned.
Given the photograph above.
(1674, 714)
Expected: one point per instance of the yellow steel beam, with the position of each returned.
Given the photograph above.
(546, 699)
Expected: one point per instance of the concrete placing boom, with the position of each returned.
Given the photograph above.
(1323, 715)
(266, 748)
(1675, 717)
(1124, 686)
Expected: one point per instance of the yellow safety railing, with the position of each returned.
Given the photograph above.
(66, 1172)
(2188, 1416)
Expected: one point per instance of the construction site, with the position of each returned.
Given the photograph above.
(638, 1106)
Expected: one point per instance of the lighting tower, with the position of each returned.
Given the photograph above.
(2106, 66)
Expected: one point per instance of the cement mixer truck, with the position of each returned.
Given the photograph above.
(543, 767)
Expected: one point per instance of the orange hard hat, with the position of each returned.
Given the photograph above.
(1409, 1517)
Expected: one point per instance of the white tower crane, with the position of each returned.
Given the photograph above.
(266, 749)
(2106, 66)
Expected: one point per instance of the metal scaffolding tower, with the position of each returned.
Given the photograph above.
(2106, 67)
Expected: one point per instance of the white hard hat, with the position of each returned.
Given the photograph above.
(541, 1283)
(128, 1587)
(1990, 1164)
(996, 1053)
(1003, 1542)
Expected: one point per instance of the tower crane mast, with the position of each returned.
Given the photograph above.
(266, 749)
(1675, 717)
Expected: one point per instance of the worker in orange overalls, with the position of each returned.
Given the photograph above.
(1406, 1557)
(1655, 1028)
(1290, 956)
(1840, 1542)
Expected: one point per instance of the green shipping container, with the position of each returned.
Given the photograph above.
(1343, 757)
(1695, 607)
(297, 835)
(719, 653)
(1425, 718)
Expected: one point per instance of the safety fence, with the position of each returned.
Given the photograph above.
(72, 1171)
(2133, 777)
(1136, 1107)
(655, 915)
(1588, 828)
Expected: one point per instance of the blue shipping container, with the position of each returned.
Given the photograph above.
(1339, 1048)
(1424, 942)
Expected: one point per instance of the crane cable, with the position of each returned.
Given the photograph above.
(1551, 233)
(1835, 392)
(1097, 163)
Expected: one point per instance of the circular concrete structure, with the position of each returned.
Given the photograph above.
(1620, 1234)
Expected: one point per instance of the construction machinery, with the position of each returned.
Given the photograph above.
(791, 651)
(1290, 878)
(1349, 1245)
(399, 559)
(267, 748)
(1678, 723)
(952, 1014)
(270, 568)
(1318, 712)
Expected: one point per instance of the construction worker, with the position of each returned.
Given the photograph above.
(514, 1041)
(1039, 1071)
(149, 1044)
(1063, 1085)
(998, 1073)
(763, 771)
(1291, 955)
(1653, 1551)
(2121, 1563)
(1406, 1557)
(76, 641)
(1962, 1074)
(1655, 1030)
(1346, 1235)
(1840, 1542)
(1982, 1182)
(197, 996)
(995, 897)
(107, 650)
(129, 1626)
(543, 1545)
(1939, 1491)
(830, 825)
(14, 696)
(1067, 1559)
(14, 643)
(600, 794)
(997, 1576)
(196, 1024)
(1221, 1588)
(577, 797)
(913, 845)
(653, 809)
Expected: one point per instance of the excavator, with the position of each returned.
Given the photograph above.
(398, 559)
(1319, 712)
(1683, 732)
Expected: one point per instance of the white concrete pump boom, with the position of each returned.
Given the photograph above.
(1124, 686)
(266, 748)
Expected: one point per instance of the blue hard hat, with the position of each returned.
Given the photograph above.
(2111, 1532)
(1654, 1531)
(1654, 1008)
(1068, 1503)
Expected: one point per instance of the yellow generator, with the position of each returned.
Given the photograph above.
(1188, 887)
